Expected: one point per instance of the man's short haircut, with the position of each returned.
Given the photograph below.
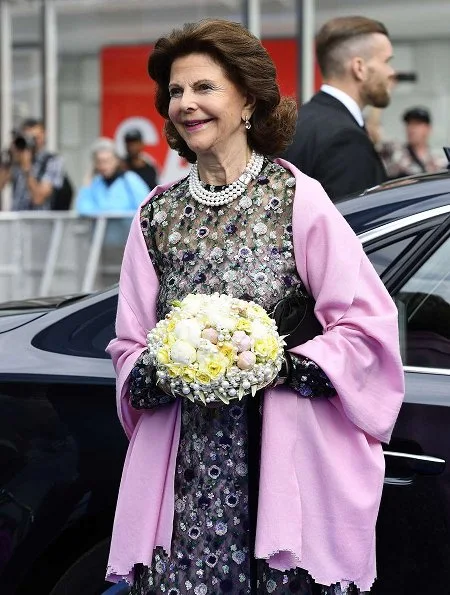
(32, 122)
(334, 41)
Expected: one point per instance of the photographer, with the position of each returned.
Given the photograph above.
(34, 172)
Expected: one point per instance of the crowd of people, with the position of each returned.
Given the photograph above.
(339, 138)
(40, 182)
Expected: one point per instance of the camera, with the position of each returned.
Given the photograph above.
(22, 142)
(6, 158)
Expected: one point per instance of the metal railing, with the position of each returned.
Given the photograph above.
(59, 253)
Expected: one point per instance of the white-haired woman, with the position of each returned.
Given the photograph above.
(111, 189)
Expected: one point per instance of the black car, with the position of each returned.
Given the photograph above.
(62, 448)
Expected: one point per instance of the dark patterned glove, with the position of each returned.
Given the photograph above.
(305, 377)
(144, 392)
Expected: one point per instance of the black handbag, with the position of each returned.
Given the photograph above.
(295, 318)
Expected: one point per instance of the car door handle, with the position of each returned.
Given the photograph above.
(402, 466)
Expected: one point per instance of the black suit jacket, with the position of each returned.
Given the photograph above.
(330, 146)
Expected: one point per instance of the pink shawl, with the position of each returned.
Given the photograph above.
(322, 466)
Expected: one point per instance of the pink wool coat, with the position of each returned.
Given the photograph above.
(322, 465)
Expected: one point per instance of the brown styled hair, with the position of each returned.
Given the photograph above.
(246, 63)
(335, 33)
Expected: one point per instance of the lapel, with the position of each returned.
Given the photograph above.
(325, 99)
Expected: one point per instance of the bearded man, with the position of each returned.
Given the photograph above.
(331, 143)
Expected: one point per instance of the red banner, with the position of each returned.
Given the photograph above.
(127, 98)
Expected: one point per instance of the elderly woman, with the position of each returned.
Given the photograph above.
(277, 493)
(111, 190)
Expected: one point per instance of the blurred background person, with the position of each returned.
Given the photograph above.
(111, 190)
(413, 157)
(137, 160)
(36, 174)
(331, 143)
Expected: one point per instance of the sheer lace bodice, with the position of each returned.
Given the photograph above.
(244, 249)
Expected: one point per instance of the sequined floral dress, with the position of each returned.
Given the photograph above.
(243, 249)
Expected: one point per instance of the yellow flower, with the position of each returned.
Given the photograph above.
(174, 371)
(171, 326)
(244, 325)
(163, 355)
(202, 377)
(188, 374)
(228, 351)
(169, 340)
(266, 347)
(214, 366)
(256, 311)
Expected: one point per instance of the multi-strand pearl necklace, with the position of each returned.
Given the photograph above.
(230, 192)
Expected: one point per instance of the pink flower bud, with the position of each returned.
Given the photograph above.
(211, 335)
(246, 360)
(241, 341)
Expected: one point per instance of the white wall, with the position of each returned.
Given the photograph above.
(79, 112)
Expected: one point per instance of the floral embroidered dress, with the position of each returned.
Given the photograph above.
(243, 249)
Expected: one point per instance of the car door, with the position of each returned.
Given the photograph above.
(61, 450)
(413, 539)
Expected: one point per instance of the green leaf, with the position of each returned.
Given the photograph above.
(225, 399)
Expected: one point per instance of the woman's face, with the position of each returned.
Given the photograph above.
(106, 163)
(206, 107)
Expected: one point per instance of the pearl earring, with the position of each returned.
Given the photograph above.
(247, 123)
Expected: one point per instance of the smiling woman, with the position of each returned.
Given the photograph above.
(252, 495)
(207, 110)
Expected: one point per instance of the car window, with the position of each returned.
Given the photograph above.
(382, 256)
(85, 333)
(424, 313)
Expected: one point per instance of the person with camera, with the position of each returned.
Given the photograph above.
(33, 171)
(137, 160)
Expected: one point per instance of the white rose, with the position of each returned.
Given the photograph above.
(205, 351)
(259, 330)
(188, 330)
(183, 353)
(192, 303)
(220, 320)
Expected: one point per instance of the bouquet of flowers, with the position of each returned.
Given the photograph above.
(214, 348)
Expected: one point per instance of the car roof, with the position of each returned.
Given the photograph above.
(396, 199)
